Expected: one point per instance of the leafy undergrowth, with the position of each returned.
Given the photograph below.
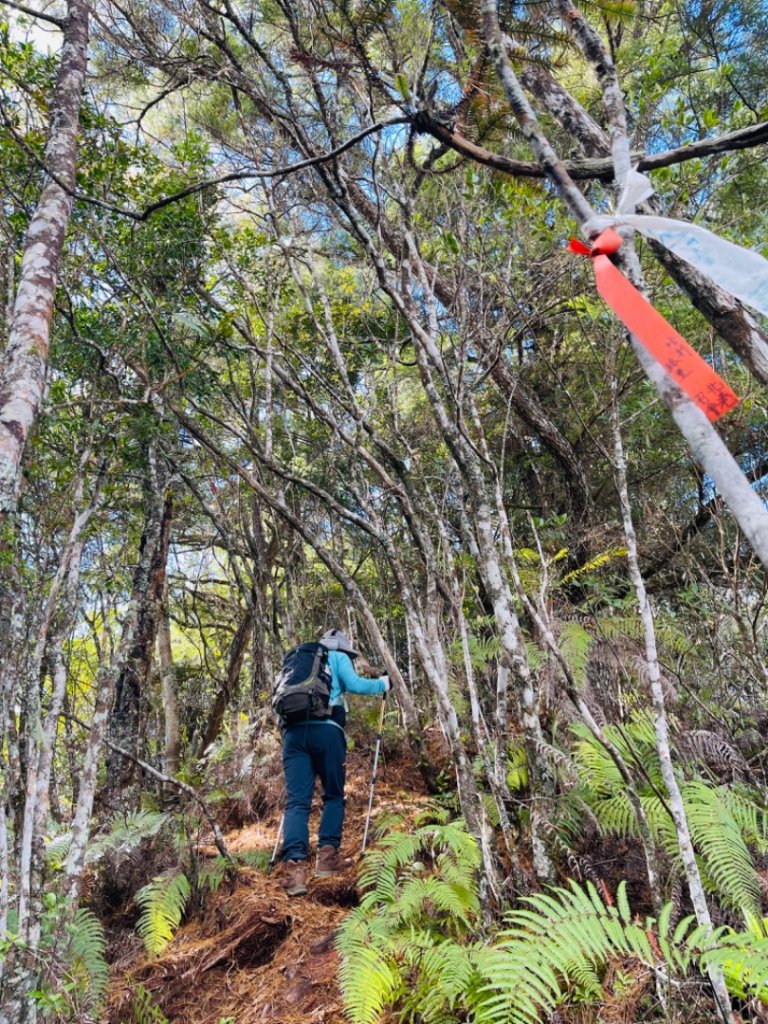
(255, 955)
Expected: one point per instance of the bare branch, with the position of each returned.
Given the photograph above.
(201, 186)
(600, 168)
(168, 780)
(40, 15)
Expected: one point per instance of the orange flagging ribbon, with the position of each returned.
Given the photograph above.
(683, 364)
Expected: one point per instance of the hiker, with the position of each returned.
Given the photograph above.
(309, 699)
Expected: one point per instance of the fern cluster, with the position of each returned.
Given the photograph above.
(166, 899)
(145, 1010)
(123, 835)
(557, 946)
(725, 820)
(414, 945)
(73, 971)
(407, 944)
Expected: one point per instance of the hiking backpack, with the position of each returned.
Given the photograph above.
(302, 688)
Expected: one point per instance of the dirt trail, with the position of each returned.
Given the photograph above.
(256, 955)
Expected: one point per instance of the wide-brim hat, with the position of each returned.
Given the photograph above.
(337, 640)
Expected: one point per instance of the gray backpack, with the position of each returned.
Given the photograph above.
(302, 689)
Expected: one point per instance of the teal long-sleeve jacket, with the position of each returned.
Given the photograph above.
(346, 680)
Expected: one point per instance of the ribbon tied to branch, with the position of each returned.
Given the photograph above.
(688, 370)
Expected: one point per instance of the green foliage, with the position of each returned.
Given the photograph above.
(118, 840)
(125, 833)
(557, 946)
(167, 897)
(668, 632)
(575, 645)
(87, 967)
(723, 820)
(517, 766)
(162, 902)
(145, 1010)
(73, 972)
(716, 833)
(254, 859)
(592, 565)
(406, 945)
(400, 951)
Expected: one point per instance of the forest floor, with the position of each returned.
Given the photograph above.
(254, 954)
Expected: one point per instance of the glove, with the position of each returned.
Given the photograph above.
(387, 685)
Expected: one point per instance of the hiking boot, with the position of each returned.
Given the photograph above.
(330, 862)
(295, 877)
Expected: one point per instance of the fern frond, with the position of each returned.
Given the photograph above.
(554, 941)
(716, 833)
(369, 979)
(87, 965)
(214, 874)
(575, 645)
(125, 833)
(145, 1010)
(743, 959)
(630, 627)
(57, 849)
(594, 563)
(254, 859)
(432, 814)
(751, 816)
(162, 902)
(535, 655)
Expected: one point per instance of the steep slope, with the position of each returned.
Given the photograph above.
(255, 955)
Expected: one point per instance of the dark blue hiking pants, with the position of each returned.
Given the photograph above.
(309, 751)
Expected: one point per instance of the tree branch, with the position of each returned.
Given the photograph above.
(201, 186)
(50, 18)
(600, 168)
(218, 838)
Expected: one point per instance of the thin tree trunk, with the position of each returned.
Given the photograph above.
(105, 686)
(106, 682)
(25, 361)
(131, 686)
(231, 681)
(5, 879)
(57, 618)
(660, 724)
(172, 751)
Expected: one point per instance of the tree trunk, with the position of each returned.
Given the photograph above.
(152, 560)
(231, 681)
(660, 723)
(125, 722)
(172, 751)
(25, 361)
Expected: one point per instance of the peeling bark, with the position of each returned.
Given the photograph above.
(25, 361)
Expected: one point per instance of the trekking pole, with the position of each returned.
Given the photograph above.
(273, 861)
(373, 773)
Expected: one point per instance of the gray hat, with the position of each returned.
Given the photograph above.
(336, 640)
